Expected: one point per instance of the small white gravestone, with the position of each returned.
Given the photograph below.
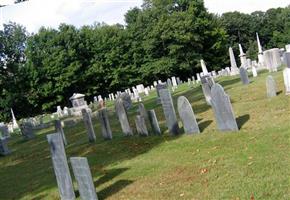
(254, 71)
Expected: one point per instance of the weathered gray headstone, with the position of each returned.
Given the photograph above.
(187, 116)
(4, 147)
(141, 125)
(178, 81)
(154, 122)
(84, 178)
(105, 124)
(126, 99)
(4, 131)
(206, 92)
(122, 116)
(244, 76)
(169, 111)
(271, 87)
(27, 130)
(60, 166)
(59, 129)
(169, 83)
(158, 88)
(89, 125)
(223, 110)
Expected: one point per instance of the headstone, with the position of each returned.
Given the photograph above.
(223, 110)
(84, 178)
(174, 82)
(105, 124)
(206, 92)
(89, 125)
(126, 99)
(141, 125)
(122, 116)
(78, 102)
(203, 66)
(4, 147)
(27, 130)
(154, 122)
(244, 76)
(158, 88)
(59, 129)
(286, 58)
(178, 81)
(286, 75)
(60, 166)
(271, 87)
(169, 83)
(187, 116)
(14, 121)
(272, 59)
(243, 57)
(260, 51)
(169, 111)
(254, 71)
(4, 132)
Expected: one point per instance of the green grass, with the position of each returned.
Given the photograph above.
(253, 162)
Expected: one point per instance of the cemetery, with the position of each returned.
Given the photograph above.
(215, 133)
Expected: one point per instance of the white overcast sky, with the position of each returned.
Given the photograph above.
(50, 13)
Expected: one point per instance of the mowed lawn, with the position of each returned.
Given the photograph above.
(253, 163)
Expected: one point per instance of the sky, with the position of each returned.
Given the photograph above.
(50, 13)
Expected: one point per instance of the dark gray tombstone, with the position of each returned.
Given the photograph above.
(154, 122)
(4, 147)
(84, 178)
(105, 124)
(142, 111)
(27, 130)
(89, 125)
(187, 116)
(223, 110)
(206, 92)
(286, 58)
(158, 88)
(122, 116)
(60, 166)
(271, 87)
(169, 111)
(59, 129)
(244, 76)
(141, 126)
(4, 131)
(126, 99)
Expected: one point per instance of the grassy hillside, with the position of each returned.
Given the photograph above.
(250, 164)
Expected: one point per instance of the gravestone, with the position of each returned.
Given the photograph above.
(178, 81)
(244, 76)
(4, 147)
(141, 126)
(206, 92)
(27, 130)
(126, 99)
(223, 110)
(154, 122)
(169, 111)
(286, 76)
(254, 71)
(271, 87)
(169, 83)
(122, 116)
(187, 116)
(60, 166)
(59, 129)
(84, 178)
(105, 124)
(158, 88)
(4, 132)
(89, 125)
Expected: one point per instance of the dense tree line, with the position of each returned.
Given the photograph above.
(163, 38)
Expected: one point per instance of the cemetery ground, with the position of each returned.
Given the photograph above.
(252, 163)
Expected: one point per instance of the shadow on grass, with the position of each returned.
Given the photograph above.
(204, 125)
(109, 175)
(114, 188)
(241, 120)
